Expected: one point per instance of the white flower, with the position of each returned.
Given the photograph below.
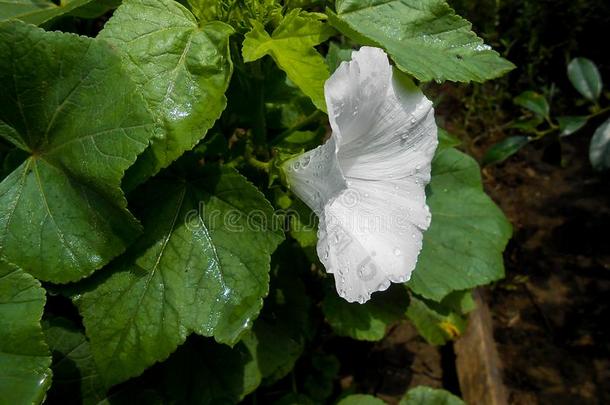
(367, 182)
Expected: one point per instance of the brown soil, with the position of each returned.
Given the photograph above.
(551, 314)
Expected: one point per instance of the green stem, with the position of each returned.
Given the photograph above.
(258, 164)
(598, 112)
(310, 119)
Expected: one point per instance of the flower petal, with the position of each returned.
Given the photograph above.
(315, 176)
(370, 195)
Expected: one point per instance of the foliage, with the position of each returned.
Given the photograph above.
(140, 183)
(538, 122)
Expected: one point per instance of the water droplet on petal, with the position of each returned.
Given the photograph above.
(397, 252)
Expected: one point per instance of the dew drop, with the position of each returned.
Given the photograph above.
(397, 252)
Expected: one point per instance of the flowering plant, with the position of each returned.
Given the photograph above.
(158, 180)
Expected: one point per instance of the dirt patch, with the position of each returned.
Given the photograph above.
(551, 312)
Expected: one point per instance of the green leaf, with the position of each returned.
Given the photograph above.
(74, 370)
(303, 224)
(435, 322)
(204, 372)
(24, 357)
(446, 140)
(367, 321)
(319, 384)
(599, 148)
(534, 102)
(337, 54)
(201, 266)
(463, 247)
(504, 149)
(430, 396)
(279, 334)
(291, 45)
(527, 124)
(68, 104)
(571, 124)
(426, 39)
(360, 399)
(38, 11)
(585, 78)
(182, 69)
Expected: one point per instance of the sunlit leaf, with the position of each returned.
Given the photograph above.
(464, 244)
(430, 396)
(360, 399)
(292, 47)
(38, 11)
(426, 39)
(69, 105)
(182, 69)
(434, 321)
(201, 266)
(24, 357)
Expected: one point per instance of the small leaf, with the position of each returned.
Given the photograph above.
(504, 149)
(70, 106)
(430, 396)
(527, 124)
(38, 12)
(425, 39)
(534, 102)
(585, 78)
(435, 321)
(360, 399)
(367, 321)
(599, 149)
(24, 356)
(571, 124)
(201, 266)
(292, 47)
(463, 247)
(182, 69)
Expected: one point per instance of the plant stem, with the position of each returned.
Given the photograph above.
(259, 164)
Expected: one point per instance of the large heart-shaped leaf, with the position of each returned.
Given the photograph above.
(425, 38)
(183, 70)
(291, 45)
(464, 244)
(73, 111)
(202, 265)
(24, 357)
(38, 11)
